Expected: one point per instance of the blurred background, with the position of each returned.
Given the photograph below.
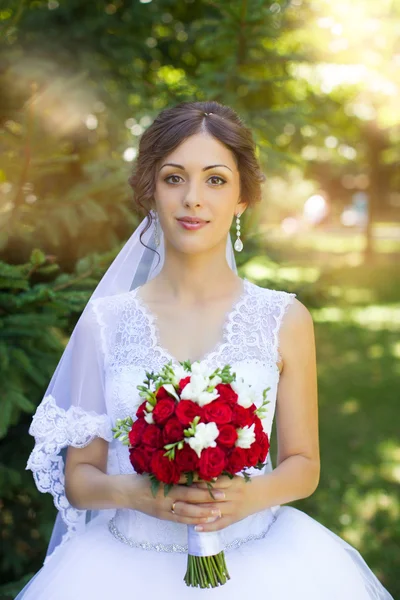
(318, 82)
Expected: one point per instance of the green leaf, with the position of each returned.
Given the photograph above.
(167, 488)
(210, 490)
(155, 486)
(37, 257)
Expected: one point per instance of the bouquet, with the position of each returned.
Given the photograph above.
(199, 423)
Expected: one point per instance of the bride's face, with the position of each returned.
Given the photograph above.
(198, 179)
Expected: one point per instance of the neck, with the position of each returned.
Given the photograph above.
(196, 277)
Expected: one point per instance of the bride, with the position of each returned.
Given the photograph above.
(173, 294)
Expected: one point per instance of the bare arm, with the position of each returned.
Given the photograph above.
(88, 486)
(86, 483)
(298, 463)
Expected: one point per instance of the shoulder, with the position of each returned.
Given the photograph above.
(293, 316)
(280, 299)
(296, 314)
(296, 333)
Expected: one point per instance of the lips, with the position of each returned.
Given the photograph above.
(192, 220)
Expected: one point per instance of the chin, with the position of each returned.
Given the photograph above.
(190, 247)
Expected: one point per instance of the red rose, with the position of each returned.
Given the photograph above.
(152, 437)
(187, 459)
(140, 458)
(218, 412)
(163, 410)
(263, 442)
(212, 463)
(136, 432)
(258, 429)
(164, 469)
(162, 393)
(186, 411)
(141, 411)
(241, 416)
(226, 393)
(253, 454)
(183, 382)
(237, 460)
(227, 436)
(172, 431)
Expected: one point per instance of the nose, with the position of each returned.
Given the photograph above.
(192, 198)
(189, 203)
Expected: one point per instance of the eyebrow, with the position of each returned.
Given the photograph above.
(183, 168)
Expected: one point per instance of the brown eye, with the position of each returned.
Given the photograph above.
(220, 178)
(169, 177)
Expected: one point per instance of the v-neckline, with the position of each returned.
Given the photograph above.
(152, 321)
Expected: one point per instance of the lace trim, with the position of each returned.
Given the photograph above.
(129, 334)
(182, 548)
(287, 299)
(155, 333)
(55, 429)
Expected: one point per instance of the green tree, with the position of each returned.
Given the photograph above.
(351, 81)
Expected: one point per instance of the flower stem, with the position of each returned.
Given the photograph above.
(206, 571)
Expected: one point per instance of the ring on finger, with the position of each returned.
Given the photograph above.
(173, 508)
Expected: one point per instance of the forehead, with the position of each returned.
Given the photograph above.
(200, 149)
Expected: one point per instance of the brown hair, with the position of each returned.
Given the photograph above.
(174, 125)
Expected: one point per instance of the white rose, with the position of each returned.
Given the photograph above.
(199, 368)
(171, 390)
(206, 397)
(216, 380)
(246, 394)
(179, 373)
(196, 390)
(246, 436)
(205, 436)
(196, 386)
(148, 417)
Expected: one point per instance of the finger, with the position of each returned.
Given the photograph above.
(196, 511)
(217, 525)
(196, 495)
(184, 478)
(216, 494)
(189, 520)
(220, 483)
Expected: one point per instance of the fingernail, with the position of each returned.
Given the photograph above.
(211, 519)
(216, 512)
(198, 528)
(219, 495)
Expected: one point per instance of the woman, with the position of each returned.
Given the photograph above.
(112, 537)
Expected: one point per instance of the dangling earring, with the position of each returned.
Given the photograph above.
(238, 244)
(156, 232)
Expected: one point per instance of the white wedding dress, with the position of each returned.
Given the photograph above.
(278, 554)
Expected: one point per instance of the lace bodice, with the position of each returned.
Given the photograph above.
(130, 346)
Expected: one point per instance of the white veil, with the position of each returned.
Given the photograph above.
(73, 410)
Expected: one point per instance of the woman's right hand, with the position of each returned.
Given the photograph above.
(192, 505)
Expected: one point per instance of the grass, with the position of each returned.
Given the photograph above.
(356, 313)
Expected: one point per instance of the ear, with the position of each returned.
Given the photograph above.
(241, 207)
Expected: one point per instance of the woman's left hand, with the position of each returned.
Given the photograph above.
(237, 503)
